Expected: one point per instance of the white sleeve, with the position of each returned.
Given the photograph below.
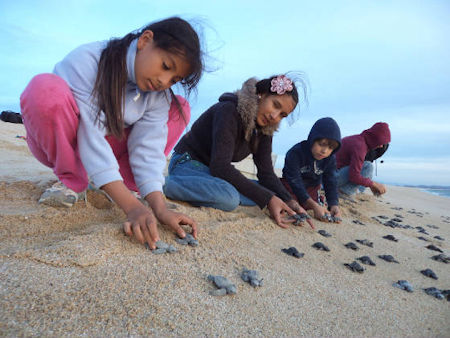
(79, 70)
(95, 151)
(146, 144)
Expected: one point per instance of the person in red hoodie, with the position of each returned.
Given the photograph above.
(353, 171)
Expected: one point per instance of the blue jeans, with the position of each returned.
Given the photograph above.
(191, 181)
(348, 187)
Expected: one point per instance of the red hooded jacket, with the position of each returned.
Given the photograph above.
(354, 149)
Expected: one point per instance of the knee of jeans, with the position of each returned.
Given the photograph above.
(228, 200)
(367, 169)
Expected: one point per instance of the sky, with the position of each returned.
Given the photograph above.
(365, 61)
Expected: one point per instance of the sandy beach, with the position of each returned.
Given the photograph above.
(72, 272)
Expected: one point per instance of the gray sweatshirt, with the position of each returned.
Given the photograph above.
(146, 112)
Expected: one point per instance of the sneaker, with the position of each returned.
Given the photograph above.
(58, 195)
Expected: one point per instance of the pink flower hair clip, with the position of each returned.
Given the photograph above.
(281, 84)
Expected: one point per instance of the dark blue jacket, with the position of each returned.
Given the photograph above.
(301, 170)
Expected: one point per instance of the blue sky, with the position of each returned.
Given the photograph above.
(366, 61)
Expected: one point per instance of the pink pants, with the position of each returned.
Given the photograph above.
(50, 115)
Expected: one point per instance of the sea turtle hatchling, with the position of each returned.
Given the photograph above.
(434, 292)
(299, 218)
(441, 258)
(404, 285)
(433, 247)
(162, 247)
(388, 258)
(351, 245)
(366, 260)
(224, 286)
(251, 277)
(355, 266)
(188, 239)
(365, 242)
(429, 273)
(292, 251)
(324, 233)
(320, 246)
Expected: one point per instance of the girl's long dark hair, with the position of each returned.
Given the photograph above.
(173, 35)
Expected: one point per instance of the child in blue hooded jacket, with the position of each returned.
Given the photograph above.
(311, 163)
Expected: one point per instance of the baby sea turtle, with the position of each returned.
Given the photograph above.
(404, 285)
(351, 245)
(434, 292)
(189, 239)
(162, 247)
(320, 246)
(366, 260)
(365, 242)
(251, 277)
(423, 239)
(331, 219)
(388, 258)
(432, 226)
(429, 273)
(433, 247)
(299, 218)
(358, 222)
(355, 267)
(382, 217)
(292, 251)
(224, 286)
(441, 258)
(324, 233)
(439, 238)
(396, 219)
(390, 238)
(392, 224)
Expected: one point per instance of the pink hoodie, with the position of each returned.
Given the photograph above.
(354, 149)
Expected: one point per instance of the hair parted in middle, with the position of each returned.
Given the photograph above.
(173, 35)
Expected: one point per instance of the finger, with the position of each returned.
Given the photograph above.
(138, 233)
(279, 221)
(289, 210)
(189, 221)
(311, 224)
(153, 230)
(127, 229)
(148, 238)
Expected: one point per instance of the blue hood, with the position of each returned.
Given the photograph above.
(325, 128)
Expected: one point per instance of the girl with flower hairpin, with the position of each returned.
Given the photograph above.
(241, 123)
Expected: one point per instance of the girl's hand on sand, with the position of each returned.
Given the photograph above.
(276, 209)
(141, 224)
(378, 188)
(319, 212)
(294, 205)
(174, 220)
(336, 212)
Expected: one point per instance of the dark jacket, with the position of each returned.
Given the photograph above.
(355, 148)
(227, 132)
(302, 170)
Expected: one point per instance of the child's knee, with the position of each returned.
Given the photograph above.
(46, 94)
(367, 169)
(228, 199)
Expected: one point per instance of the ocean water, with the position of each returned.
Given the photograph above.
(445, 192)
